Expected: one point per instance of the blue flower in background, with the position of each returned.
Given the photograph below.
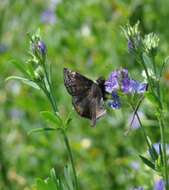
(159, 185)
(48, 16)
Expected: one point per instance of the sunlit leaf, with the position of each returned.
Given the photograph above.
(41, 129)
(147, 162)
(24, 80)
(51, 117)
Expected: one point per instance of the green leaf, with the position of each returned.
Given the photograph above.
(147, 162)
(161, 154)
(20, 66)
(51, 117)
(68, 119)
(68, 177)
(41, 129)
(24, 80)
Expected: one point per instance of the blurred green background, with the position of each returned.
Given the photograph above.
(84, 36)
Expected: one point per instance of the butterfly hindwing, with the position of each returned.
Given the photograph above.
(87, 97)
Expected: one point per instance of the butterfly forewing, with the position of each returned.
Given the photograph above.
(76, 83)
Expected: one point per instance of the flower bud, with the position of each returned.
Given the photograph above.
(150, 42)
(39, 73)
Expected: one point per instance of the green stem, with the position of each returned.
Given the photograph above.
(142, 127)
(71, 158)
(162, 130)
(163, 142)
(4, 169)
(53, 103)
(51, 89)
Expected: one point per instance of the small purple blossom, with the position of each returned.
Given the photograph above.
(112, 83)
(159, 185)
(115, 102)
(42, 47)
(48, 16)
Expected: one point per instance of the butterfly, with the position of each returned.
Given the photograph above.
(87, 96)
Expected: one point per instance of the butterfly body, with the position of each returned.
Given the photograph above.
(87, 95)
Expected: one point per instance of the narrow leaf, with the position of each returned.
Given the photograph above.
(51, 117)
(153, 153)
(24, 80)
(41, 129)
(20, 67)
(147, 162)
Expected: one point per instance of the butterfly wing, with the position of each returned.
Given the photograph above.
(87, 97)
(76, 84)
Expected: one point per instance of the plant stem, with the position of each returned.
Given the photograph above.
(71, 158)
(66, 141)
(163, 142)
(3, 164)
(144, 132)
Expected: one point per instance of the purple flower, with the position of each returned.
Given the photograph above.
(115, 102)
(133, 86)
(112, 83)
(48, 17)
(159, 185)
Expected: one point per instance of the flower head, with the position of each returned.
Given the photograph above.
(133, 36)
(112, 83)
(150, 42)
(119, 81)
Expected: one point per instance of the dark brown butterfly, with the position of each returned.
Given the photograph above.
(87, 95)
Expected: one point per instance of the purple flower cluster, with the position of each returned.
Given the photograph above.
(120, 81)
